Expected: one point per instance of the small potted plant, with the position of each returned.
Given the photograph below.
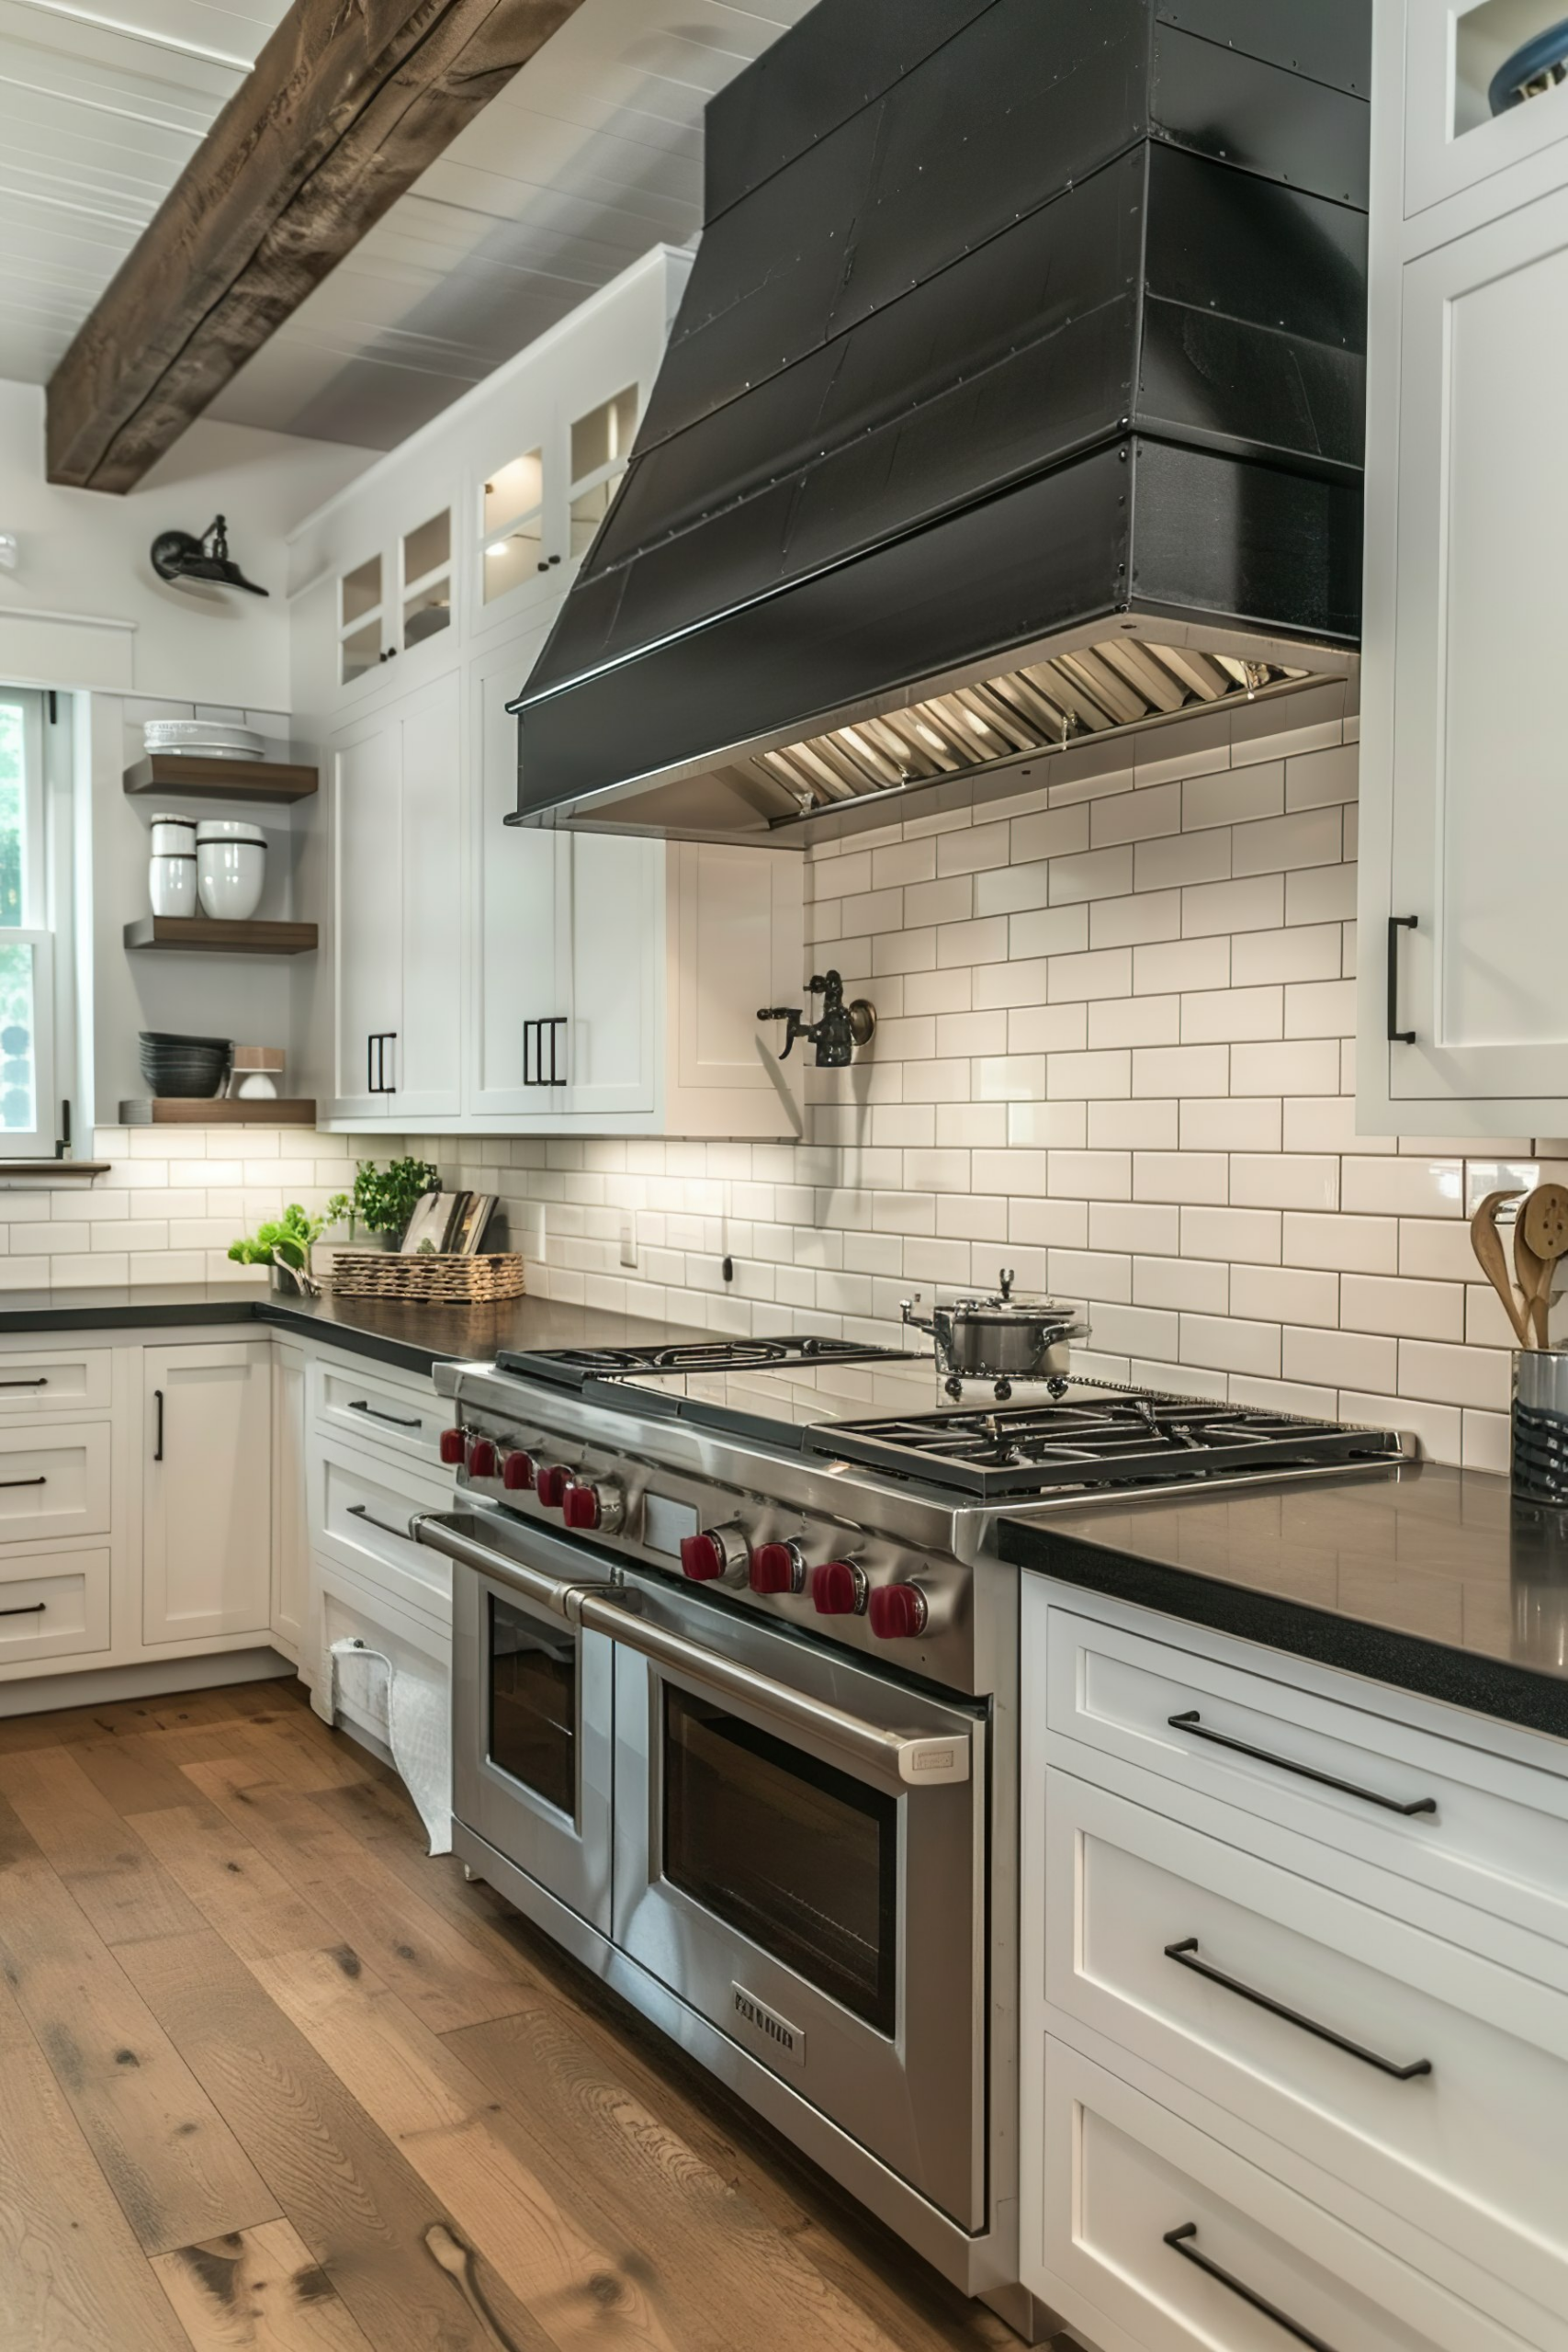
(385, 1198)
(283, 1245)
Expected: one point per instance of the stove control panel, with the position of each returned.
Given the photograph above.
(846, 1583)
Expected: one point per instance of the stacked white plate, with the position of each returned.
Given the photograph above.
(204, 739)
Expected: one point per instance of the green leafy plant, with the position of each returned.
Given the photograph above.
(288, 1240)
(385, 1199)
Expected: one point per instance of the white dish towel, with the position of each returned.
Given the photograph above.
(417, 1720)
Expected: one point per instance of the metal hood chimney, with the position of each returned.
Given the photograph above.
(1016, 398)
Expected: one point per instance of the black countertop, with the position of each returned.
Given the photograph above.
(412, 1336)
(1431, 1580)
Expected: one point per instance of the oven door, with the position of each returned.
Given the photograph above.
(532, 1752)
(820, 1909)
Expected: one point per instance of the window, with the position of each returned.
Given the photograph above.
(27, 944)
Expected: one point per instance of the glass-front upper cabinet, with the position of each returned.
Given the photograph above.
(601, 443)
(546, 486)
(396, 600)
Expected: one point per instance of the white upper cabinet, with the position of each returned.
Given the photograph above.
(393, 787)
(489, 977)
(1463, 1019)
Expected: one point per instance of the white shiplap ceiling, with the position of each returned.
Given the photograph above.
(592, 154)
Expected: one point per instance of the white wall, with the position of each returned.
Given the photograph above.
(85, 607)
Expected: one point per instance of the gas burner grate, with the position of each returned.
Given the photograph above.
(571, 1367)
(1127, 1441)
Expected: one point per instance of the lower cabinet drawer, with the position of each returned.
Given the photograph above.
(55, 1380)
(52, 1604)
(1484, 1828)
(54, 1480)
(408, 1420)
(1149, 2234)
(360, 1508)
(1432, 2081)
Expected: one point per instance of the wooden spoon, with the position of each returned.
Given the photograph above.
(1529, 1273)
(1543, 1220)
(1487, 1243)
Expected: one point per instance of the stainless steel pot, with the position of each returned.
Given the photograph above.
(999, 1339)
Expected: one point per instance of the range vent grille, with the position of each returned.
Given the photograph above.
(1044, 706)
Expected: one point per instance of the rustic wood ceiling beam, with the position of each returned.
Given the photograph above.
(347, 104)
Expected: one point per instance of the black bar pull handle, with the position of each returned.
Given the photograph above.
(399, 1420)
(1180, 2242)
(1185, 1956)
(1192, 1721)
(31, 1609)
(40, 1383)
(158, 1446)
(24, 1482)
(1396, 923)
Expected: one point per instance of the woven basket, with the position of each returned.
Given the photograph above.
(434, 1280)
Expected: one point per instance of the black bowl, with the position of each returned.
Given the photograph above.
(189, 1068)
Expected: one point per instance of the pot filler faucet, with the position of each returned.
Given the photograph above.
(839, 1030)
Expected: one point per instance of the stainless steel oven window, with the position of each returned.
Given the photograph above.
(798, 1856)
(533, 1703)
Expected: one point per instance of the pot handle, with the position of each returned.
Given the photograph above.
(918, 1322)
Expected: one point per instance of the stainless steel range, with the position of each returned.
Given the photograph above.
(735, 1716)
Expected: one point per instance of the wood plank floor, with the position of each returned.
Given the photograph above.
(272, 2080)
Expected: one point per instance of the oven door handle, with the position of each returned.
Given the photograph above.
(899, 1759)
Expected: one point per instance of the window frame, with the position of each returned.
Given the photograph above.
(36, 930)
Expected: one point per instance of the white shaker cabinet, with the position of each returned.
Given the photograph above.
(1463, 1017)
(394, 789)
(206, 1490)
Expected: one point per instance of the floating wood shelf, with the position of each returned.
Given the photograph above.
(166, 771)
(51, 1170)
(183, 1111)
(206, 936)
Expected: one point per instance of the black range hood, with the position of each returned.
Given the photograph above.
(1016, 399)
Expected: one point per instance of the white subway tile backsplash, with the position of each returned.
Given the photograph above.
(1234, 796)
(1114, 1050)
(1255, 903)
(1284, 1180)
(1314, 952)
(1192, 1285)
(1182, 965)
(1312, 837)
(1402, 1308)
(1223, 1015)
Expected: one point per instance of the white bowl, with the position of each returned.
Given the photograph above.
(232, 876)
(171, 883)
(203, 736)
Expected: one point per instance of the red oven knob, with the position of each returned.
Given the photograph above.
(590, 1507)
(778, 1568)
(838, 1589)
(898, 1611)
(481, 1458)
(453, 1444)
(517, 1471)
(550, 1485)
(714, 1557)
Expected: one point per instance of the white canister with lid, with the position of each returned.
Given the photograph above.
(171, 885)
(174, 836)
(231, 867)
